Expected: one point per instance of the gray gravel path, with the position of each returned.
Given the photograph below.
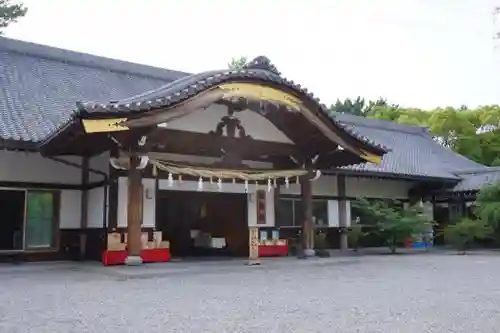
(416, 293)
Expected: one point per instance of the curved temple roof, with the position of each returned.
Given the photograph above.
(257, 80)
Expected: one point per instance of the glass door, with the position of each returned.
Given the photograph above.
(41, 219)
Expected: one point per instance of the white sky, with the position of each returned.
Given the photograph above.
(421, 53)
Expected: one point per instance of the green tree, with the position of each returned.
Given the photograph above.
(488, 205)
(355, 234)
(462, 234)
(394, 223)
(237, 63)
(359, 106)
(10, 12)
(474, 133)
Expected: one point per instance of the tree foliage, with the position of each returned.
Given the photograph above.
(355, 234)
(359, 106)
(488, 205)
(463, 233)
(474, 133)
(237, 63)
(393, 222)
(10, 12)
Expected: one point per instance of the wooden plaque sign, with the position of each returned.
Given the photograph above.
(261, 206)
(253, 243)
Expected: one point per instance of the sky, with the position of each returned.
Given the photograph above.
(416, 53)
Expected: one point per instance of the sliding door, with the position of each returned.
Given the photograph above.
(42, 215)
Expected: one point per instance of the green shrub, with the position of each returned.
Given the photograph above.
(392, 222)
(355, 234)
(463, 233)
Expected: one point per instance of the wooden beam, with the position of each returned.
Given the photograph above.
(342, 204)
(191, 143)
(307, 226)
(134, 212)
(84, 203)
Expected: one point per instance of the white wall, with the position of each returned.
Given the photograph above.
(355, 187)
(95, 208)
(149, 211)
(323, 186)
(101, 163)
(149, 202)
(206, 120)
(32, 167)
(70, 212)
(377, 188)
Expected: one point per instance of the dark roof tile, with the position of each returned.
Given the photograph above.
(39, 86)
(413, 151)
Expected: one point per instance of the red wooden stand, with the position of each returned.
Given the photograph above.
(148, 255)
(273, 250)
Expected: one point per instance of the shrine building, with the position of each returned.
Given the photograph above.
(109, 160)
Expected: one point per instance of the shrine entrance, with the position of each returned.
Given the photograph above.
(203, 224)
(248, 127)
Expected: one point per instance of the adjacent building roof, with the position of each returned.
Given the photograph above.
(476, 179)
(39, 86)
(413, 151)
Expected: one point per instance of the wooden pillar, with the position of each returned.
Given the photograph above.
(253, 244)
(343, 223)
(84, 203)
(134, 212)
(307, 226)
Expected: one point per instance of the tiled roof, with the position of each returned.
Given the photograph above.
(39, 86)
(475, 179)
(413, 150)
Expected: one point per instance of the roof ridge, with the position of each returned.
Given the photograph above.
(386, 125)
(478, 170)
(87, 59)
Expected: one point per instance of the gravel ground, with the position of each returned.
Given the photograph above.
(406, 293)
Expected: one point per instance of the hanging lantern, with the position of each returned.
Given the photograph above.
(287, 182)
(170, 179)
(269, 184)
(200, 184)
(219, 184)
(246, 186)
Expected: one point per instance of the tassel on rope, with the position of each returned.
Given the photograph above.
(211, 180)
(179, 179)
(287, 182)
(170, 179)
(269, 184)
(275, 183)
(155, 171)
(297, 180)
(200, 184)
(219, 184)
(246, 186)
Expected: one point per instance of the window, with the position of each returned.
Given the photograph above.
(320, 213)
(41, 219)
(285, 213)
(290, 213)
